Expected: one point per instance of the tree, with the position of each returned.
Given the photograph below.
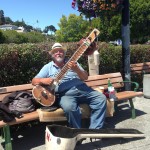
(140, 21)
(19, 23)
(2, 18)
(45, 29)
(8, 20)
(52, 28)
(2, 37)
(28, 28)
(109, 22)
(72, 28)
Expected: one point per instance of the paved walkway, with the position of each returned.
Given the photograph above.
(33, 138)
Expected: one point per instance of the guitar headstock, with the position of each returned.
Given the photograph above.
(90, 41)
(93, 35)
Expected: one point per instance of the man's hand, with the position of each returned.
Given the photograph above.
(83, 75)
(73, 65)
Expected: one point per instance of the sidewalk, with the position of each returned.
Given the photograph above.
(123, 120)
(33, 138)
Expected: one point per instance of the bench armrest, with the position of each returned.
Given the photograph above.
(136, 85)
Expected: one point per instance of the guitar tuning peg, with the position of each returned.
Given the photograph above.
(90, 38)
(95, 32)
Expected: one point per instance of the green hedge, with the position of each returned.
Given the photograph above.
(12, 36)
(19, 63)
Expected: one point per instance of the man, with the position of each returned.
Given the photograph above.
(72, 90)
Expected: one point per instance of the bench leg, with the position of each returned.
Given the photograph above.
(132, 108)
(2, 133)
(7, 137)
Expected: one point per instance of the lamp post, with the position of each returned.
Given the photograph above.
(126, 43)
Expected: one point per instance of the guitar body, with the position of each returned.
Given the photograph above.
(44, 95)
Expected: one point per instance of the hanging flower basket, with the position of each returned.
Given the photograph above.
(95, 8)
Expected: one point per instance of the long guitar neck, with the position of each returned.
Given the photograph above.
(78, 53)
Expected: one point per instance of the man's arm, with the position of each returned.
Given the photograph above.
(83, 75)
(42, 77)
(42, 81)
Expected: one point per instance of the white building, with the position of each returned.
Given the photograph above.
(12, 27)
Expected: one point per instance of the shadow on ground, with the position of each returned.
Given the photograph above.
(123, 113)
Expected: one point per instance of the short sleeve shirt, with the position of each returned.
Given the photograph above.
(69, 81)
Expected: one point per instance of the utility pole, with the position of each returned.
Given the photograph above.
(126, 44)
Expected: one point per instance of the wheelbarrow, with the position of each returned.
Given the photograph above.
(59, 137)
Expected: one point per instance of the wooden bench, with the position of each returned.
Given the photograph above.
(58, 115)
(140, 68)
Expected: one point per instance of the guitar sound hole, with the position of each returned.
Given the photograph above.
(44, 94)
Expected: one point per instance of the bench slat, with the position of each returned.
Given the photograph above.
(26, 118)
(115, 82)
(128, 94)
(140, 64)
(140, 71)
(14, 88)
(140, 68)
(104, 76)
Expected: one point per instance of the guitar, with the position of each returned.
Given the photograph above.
(44, 94)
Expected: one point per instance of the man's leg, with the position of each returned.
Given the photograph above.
(72, 111)
(97, 102)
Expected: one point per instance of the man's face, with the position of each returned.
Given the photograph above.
(58, 55)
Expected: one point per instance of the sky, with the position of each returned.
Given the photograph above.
(47, 12)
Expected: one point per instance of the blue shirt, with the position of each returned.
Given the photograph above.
(69, 82)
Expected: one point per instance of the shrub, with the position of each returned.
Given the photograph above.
(19, 63)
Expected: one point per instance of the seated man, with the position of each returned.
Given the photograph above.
(72, 90)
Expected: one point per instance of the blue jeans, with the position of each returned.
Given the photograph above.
(83, 94)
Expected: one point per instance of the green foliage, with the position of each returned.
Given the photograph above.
(20, 63)
(2, 18)
(11, 36)
(50, 28)
(35, 37)
(72, 28)
(110, 58)
(2, 38)
(19, 23)
(75, 27)
(140, 50)
(8, 20)
(140, 21)
(110, 24)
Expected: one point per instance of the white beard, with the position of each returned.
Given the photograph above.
(59, 59)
